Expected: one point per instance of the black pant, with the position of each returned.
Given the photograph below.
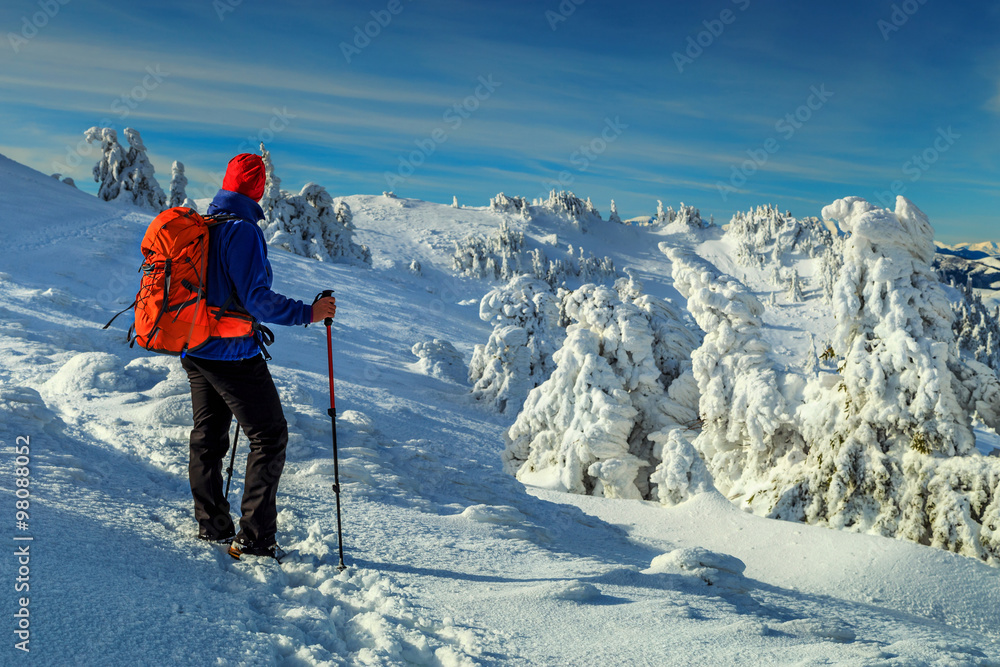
(219, 390)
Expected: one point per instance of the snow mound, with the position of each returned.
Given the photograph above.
(22, 405)
(573, 590)
(440, 359)
(90, 373)
(711, 567)
(498, 514)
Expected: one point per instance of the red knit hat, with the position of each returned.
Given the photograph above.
(245, 174)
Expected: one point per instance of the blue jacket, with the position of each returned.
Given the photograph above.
(237, 265)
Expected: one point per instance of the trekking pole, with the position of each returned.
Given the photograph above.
(232, 459)
(333, 416)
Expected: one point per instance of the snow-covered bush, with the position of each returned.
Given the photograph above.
(308, 224)
(440, 359)
(518, 356)
(587, 429)
(125, 176)
(178, 183)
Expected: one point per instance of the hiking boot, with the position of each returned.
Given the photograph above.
(216, 539)
(239, 548)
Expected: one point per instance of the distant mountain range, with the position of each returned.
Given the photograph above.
(979, 250)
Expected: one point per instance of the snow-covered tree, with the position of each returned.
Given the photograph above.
(589, 427)
(794, 290)
(454, 202)
(831, 260)
(613, 215)
(517, 206)
(140, 181)
(503, 255)
(108, 171)
(766, 231)
(888, 446)
(689, 216)
(526, 317)
(178, 183)
(309, 223)
(496, 257)
(566, 205)
(976, 329)
(664, 217)
(125, 175)
(747, 426)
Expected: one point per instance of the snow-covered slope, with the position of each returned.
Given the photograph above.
(452, 561)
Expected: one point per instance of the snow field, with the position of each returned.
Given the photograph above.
(452, 561)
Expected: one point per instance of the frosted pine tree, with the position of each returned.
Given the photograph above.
(890, 447)
(108, 171)
(125, 175)
(518, 356)
(139, 179)
(335, 227)
(178, 184)
(747, 426)
(976, 329)
(588, 428)
(794, 290)
(613, 215)
(308, 224)
(662, 217)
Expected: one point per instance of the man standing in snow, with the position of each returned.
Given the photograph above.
(229, 376)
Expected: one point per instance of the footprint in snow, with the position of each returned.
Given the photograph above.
(812, 627)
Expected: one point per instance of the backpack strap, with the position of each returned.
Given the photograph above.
(119, 313)
(218, 218)
(264, 337)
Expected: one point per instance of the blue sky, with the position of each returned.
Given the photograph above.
(789, 103)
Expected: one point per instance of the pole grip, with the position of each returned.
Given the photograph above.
(322, 295)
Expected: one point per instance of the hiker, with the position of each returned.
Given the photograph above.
(229, 376)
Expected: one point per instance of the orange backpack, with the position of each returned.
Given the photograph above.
(171, 315)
